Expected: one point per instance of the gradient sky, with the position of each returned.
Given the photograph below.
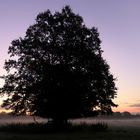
(118, 22)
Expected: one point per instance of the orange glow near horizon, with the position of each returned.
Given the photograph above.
(122, 107)
(129, 109)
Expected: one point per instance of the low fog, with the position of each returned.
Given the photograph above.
(112, 121)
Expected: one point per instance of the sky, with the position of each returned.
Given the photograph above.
(118, 22)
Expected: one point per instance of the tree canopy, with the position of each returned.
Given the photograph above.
(57, 70)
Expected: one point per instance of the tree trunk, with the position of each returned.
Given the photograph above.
(60, 123)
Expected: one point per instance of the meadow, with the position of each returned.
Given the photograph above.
(23, 128)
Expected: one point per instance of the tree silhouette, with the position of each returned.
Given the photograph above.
(57, 70)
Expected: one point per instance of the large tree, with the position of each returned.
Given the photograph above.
(57, 70)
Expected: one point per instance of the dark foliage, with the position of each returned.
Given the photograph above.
(32, 128)
(57, 70)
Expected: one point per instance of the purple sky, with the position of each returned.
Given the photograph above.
(118, 22)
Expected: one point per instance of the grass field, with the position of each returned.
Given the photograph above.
(123, 129)
(117, 134)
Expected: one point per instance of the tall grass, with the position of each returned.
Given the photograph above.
(45, 128)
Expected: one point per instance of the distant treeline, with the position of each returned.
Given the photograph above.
(124, 114)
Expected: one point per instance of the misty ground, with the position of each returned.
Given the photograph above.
(112, 122)
(118, 129)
